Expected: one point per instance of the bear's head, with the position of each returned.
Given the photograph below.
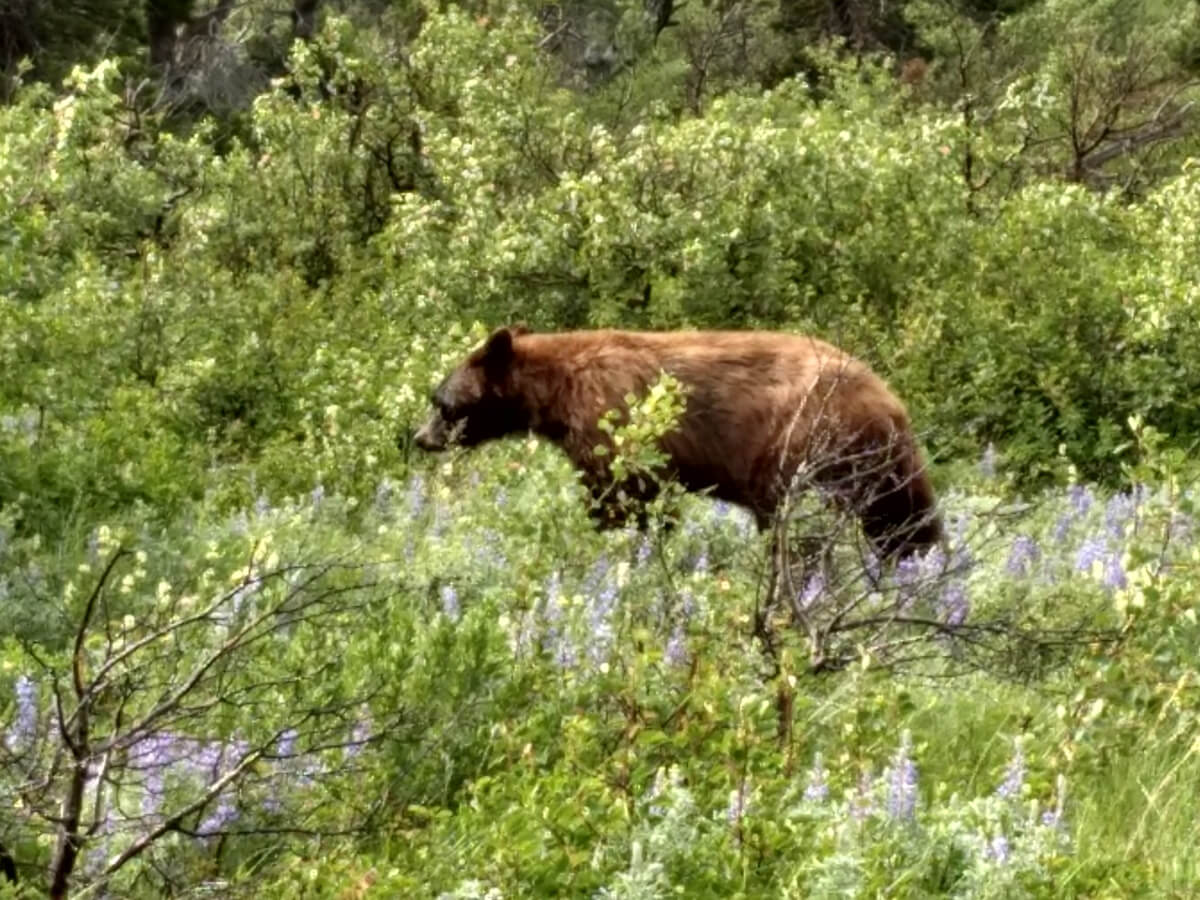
(476, 402)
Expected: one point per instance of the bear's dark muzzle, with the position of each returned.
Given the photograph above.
(432, 436)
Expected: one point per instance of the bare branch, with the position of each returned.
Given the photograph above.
(172, 823)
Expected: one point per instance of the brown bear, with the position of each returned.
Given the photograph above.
(764, 413)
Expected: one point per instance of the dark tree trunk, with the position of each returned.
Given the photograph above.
(304, 18)
(163, 18)
(209, 24)
(8, 866)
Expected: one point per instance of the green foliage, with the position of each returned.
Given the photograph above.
(636, 459)
(249, 303)
(217, 337)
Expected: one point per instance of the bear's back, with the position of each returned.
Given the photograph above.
(728, 373)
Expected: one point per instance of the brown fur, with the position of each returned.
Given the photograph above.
(759, 406)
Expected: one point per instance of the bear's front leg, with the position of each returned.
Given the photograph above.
(615, 504)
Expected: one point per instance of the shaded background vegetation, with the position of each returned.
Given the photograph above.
(241, 240)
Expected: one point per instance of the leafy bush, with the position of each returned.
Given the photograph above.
(321, 663)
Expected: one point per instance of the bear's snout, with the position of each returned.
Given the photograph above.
(432, 436)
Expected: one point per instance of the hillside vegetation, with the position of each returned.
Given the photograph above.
(256, 644)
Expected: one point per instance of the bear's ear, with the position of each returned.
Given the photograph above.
(518, 329)
(498, 351)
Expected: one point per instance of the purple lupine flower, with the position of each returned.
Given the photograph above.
(1062, 528)
(450, 605)
(286, 759)
(745, 525)
(415, 495)
(604, 601)
(997, 849)
(247, 589)
(521, 638)
(1091, 551)
(657, 787)
(1114, 573)
(601, 608)
(961, 558)
(664, 779)
(206, 759)
(701, 564)
(687, 604)
(153, 755)
(1053, 817)
(317, 495)
(676, 652)
(490, 553)
(599, 580)
(262, 506)
(813, 588)
(25, 424)
(286, 747)
(153, 789)
(303, 770)
(155, 751)
(908, 577)
(987, 463)
(383, 494)
(223, 814)
(24, 725)
(933, 563)
(1014, 776)
(739, 803)
(555, 640)
(554, 595)
(1180, 527)
(1022, 556)
(93, 546)
(1081, 498)
(237, 749)
(564, 654)
(642, 556)
(101, 846)
(272, 803)
(721, 509)
(958, 527)
(1117, 514)
(817, 790)
(902, 782)
(360, 736)
(872, 564)
(600, 643)
(953, 605)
